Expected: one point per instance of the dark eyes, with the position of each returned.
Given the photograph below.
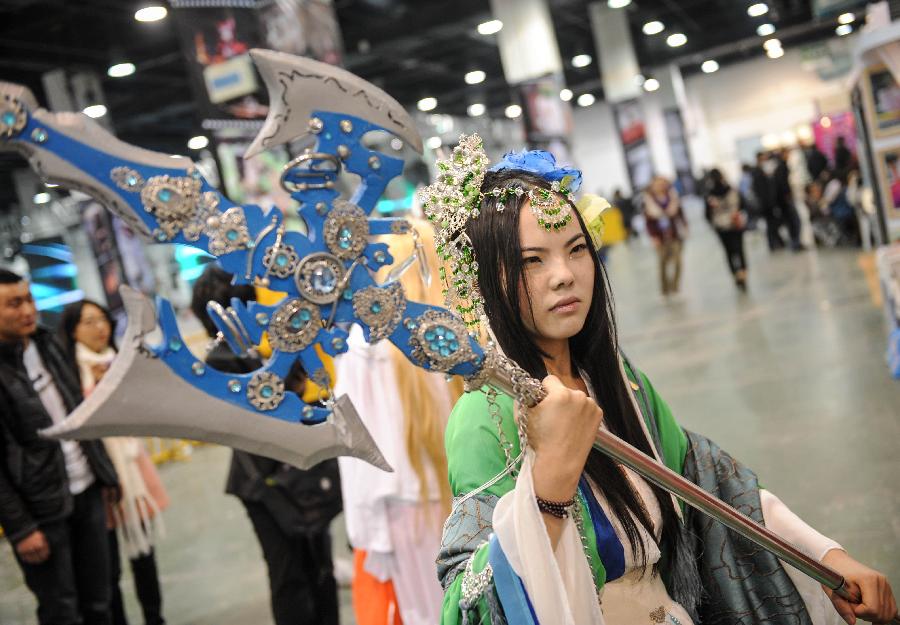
(533, 260)
(530, 260)
(581, 247)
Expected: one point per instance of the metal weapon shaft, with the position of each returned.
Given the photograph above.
(710, 505)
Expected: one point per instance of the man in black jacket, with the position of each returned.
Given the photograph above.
(52, 494)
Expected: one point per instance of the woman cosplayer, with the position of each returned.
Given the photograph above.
(562, 534)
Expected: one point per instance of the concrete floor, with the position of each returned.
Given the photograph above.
(789, 378)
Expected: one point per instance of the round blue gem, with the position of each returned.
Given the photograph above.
(375, 308)
(308, 412)
(348, 294)
(410, 324)
(174, 344)
(450, 334)
(131, 180)
(380, 256)
(9, 118)
(281, 260)
(344, 244)
(164, 195)
(266, 391)
(231, 235)
(262, 318)
(198, 368)
(234, 386)
(305, 315)
(454, 345)
(39, 135)
(429, 335)
(337, 343)
(323, 279)
(444, 351)
(345, 233)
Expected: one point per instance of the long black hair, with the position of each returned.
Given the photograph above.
(594, 350)
(69, 320)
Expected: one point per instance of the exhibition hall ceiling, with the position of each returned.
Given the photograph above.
(411, 48)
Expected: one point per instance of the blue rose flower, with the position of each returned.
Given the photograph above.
(541, 163)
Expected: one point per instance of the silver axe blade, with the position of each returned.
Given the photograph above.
(141, 396)
(298, 86)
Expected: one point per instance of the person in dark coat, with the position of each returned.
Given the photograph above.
(784, 200)
(290, 509)
(53, 494)
(764, 192)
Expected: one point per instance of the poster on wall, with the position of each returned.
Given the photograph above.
(101, 234)
(630, 123)
(829, 128)
(888, 162)
(883, 101)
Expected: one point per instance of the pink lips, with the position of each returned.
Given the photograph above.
(567, 305)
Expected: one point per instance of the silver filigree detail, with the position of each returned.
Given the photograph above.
(228, 232)
(265, 390)
(381, 309)
(400, 226)
(473, 584)
(440, 342)
(172, 201)
(13, 117)
(294, 326)
(127, 178)
(319, 278)
(346, 230)
(208, 207)
(281, 261)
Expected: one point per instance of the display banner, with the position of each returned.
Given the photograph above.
(548, 120)
(630, 122)
(217, 39)
(216, 42)
(101, 234)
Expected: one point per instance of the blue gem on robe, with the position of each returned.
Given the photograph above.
(375, 308)
(39, 135)
(164, 195)
(174, 344)
(198, 368)
(9, 118)
(266, 391)
(234, 386)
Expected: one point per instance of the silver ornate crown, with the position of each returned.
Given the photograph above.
(455, 197)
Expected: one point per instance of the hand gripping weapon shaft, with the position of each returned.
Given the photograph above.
(327, 274)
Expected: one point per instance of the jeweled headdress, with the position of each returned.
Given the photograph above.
(457, 196)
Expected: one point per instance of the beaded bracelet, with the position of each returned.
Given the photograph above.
(559, 509)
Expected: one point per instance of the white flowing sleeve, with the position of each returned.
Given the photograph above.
(559, 584)
(779, 518)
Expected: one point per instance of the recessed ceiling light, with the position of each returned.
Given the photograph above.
(491, 27)
(41, 198)
(198, 143)
(120, 70)
(755, 10)
(50, 185)
(151, 14)
(846, 18)
(651, 84)
(433, 143)
(586, 99)
(653, 28)
(95, 111)
(565, 95)
(581, 60)
(618, 4)
(476, 110)
(512, 111)
(769, 44)
(775, 53)
(764, 30)
(709, 66)
(427, 104)
(843, 29)
(676, 40)
(474, 77)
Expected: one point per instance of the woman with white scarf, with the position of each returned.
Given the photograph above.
(86, 331)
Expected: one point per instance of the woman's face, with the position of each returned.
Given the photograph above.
(559, 273)
(93, 330)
